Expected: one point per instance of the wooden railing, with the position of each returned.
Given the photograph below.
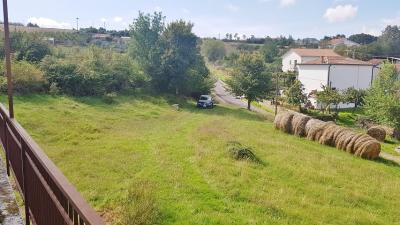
(49, 198)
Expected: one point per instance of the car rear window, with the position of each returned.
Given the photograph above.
(203, 98)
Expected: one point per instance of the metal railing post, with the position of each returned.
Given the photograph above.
(7, 51)
(24, 182)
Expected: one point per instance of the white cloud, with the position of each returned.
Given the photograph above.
(103, 20)
(341, 13)
(287, 3)
(49, 23)
(118, 19)
(232, 8)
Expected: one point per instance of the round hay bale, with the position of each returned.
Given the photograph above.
(344, 139)
(359, 142)
(319, 133)
(350, 145)
(315, 130)
(285, 123)
(299, 122)
(377, 132)
(370, 150)
(312, 123)
(277, 120)
(339, 134)
(328, 134)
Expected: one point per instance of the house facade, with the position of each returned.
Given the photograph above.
(321, 67)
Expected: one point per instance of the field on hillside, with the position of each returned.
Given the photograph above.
(141, 158)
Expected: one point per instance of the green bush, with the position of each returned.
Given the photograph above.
(92, 71)
(27, 78)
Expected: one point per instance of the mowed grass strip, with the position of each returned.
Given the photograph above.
(140, 157)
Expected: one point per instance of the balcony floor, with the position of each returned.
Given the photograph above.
(9, 211)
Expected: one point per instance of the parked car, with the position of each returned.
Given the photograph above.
(205, 101)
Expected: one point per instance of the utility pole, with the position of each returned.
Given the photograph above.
(77, 24)
(7, 51)
(276, 93)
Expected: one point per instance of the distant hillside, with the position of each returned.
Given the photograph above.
(14, 28)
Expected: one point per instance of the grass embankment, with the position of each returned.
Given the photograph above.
(176, 168)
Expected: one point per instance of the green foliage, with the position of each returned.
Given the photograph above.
(213, 50)
(363, 39)
(27, 78)
(270, 51)
(250, 78)
(170, 55)
(295, 94)
(31, 48)
(93, 71)
(382, 102)
(146, 47)
(328, 97)
(355, 96)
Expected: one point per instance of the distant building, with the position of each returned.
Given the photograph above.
(341, 42)
(323, 67)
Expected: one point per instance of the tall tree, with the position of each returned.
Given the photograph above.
(250, 78)
(181, 53)
(354, 96)
(146, 47)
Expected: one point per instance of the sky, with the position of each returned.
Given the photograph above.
(299, 18)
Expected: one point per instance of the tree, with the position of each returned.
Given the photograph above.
(328, 97)
(354, 96)
(213, 50)
(390, 40)
(250, 78)
(181, 54)
(270, 51)
(382, 102)
(363, 39)
(31, 25)
(295, 94)
(32, 48)
(146, 47)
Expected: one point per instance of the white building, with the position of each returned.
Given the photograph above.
(323, 67)
(302, 55)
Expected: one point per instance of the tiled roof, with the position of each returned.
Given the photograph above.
(339, 60)
(376, 61)
(314, 52)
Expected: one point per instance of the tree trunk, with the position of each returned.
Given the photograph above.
(249, 104)
(300, 108)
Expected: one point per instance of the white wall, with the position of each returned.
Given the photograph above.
(313, 76)
(288, 61)
(345, 76)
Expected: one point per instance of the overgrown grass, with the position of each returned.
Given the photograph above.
(113, 154)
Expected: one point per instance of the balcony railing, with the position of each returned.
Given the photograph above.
(49, 198)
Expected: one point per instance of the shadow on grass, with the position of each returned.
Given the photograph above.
(387, 162)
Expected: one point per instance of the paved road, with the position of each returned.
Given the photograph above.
(224, 96)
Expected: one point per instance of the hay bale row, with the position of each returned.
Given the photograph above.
(328, 133)
(377, 132)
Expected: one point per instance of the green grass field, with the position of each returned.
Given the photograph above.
(141, 159)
